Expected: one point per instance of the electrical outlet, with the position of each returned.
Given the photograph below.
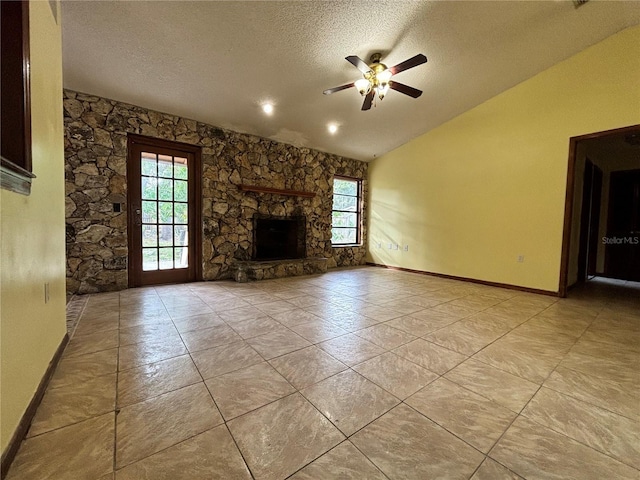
(390, 246)
(378, 244)
(406, 248)
(395, 246)
(46, 292)
(520, 259)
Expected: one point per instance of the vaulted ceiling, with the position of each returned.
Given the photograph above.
(219, 61)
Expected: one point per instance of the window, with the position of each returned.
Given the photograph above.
(15, 153)
(345, 216)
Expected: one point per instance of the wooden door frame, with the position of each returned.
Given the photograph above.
(196, 151)
(568, 203)
(594, 220)
(590, 185)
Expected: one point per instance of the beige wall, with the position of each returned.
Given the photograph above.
(472, 195)
(32, 236)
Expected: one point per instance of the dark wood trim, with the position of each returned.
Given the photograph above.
(131, 172)
(594, 222)
(568, 211)
(196, 151)
(359, 213)
(470, 280)
(26, 84)
(197, 182)
(585, 216)
(15, 178)
(275, 191)
(572, 286)
(568, 205)
(159, 142)
(606, 133)
(16, 90)
(347, 177)
(25, 422)
(8, 164)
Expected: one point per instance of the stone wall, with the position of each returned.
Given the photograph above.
(96, 159)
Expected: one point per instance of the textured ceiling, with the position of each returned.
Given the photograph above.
(218, 61)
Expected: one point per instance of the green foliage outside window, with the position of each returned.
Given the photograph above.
(346, 212)
(165, 213)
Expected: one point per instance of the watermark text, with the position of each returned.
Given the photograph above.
(621, 240)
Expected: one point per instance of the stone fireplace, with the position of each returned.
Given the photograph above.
(279, 238)
(242, 176)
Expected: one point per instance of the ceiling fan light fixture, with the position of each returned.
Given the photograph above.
(382, 82)
(384, 77)
(363, 85)
(382, 91)
(377, 78)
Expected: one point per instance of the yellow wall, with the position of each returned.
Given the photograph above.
(33, 236)
(471, 195)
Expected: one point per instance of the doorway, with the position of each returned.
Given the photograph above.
(163, 182)
(622, 242)
(595, 197)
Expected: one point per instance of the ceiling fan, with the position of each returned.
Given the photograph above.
(377, 78)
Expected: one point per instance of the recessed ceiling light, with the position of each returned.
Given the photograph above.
(333, 128)
(267, 108)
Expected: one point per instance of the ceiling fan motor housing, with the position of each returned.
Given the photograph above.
(378, 76)
(375, 57)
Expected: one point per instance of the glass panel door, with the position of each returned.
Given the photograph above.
(165, 212)
(163, 204)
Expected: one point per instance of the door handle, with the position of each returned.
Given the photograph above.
(138, 214)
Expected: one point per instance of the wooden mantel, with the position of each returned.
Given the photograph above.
(276, 191)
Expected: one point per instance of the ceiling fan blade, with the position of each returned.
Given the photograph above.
(368, 100)
(358, 63)
(406, 89)
(409, 63)
(337, 89)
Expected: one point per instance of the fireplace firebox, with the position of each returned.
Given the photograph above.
(279, 238)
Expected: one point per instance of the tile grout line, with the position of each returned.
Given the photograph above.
(351, 367)
(519, 414)
(571, 396)
(224, 420)
(116, 405)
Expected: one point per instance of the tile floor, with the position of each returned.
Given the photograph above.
(360, 373)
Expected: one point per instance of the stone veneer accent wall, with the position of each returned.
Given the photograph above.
(95, 169)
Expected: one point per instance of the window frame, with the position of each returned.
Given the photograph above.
(358, 212)
(17, 172)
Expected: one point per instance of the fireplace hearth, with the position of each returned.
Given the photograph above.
(279, 238)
